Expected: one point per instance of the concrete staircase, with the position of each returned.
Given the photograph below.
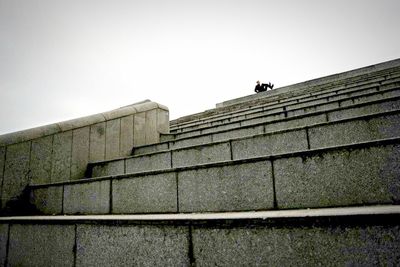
(306, 176)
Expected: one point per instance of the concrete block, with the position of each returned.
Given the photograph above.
(132, 245)
(87, 198)
(61, 158)
(201, 155)
(188, 134)
(198, 140)
(2, 164)
(150, 149)
(158, 161)
(307, 104)
(41, 160)
(3, 243)
(269, 144)
(238, 133)
(339, 178)
(221, 128)
(145, 194)
(246, 186)
(16, 171)
(162, 121)
(48, 199)
(41, 245)
(97, 142)
(293, 123)
(126, 136)
(364, 110)
(139, 129)
(297, 246)
(107, 168)
(355, 131)
(80, 152)
(113, 131)
(152, 134)
(80, 122)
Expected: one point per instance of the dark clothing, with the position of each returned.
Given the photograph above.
(263, 87)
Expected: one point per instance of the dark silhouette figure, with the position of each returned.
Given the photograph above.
(263, 87)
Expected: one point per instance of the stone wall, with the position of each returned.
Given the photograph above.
(61, 151)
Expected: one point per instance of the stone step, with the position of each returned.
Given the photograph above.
(266, 102)
(260, 127)
(357, 174)
(362, 236)
(341, 132)
(291, 105)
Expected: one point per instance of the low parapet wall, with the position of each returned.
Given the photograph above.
(61, 151)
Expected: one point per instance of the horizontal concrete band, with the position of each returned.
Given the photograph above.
(29, 134)
(270, 214)
(292, 101)
(385, 66)
(290, 110)
(364, 128)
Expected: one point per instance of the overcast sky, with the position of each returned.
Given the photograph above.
(63, 59)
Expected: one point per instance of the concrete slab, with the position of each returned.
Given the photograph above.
(269, 144)
(145, 194)
(80, 152)
(237, 133)
(87, 198)
(109, 168)
(16, 172)
(150, 148)
(61, 164)
(126, 136)
(158, 161)
(297, 246)
(246, 186)
(41, 160)
(294, 123)
(113, 130)
(41, 245)
(132, 245)
(339, 178)
(3, 243)
(139, 129)
(48, 200)
(191, 141)
(2, 164)
(201, 155)
(97, 142)
(152, 134)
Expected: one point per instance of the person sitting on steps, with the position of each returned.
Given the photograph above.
(263, 87)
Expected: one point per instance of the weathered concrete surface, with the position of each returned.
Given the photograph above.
(269, 144)
(97, 142)
(158, 161)
(113, 132)
(41, 245)
(48, 200)
(61, 165)
(80, 152)
(99, 245)
(126, 135)
(139, 130)
(2, 163)
(87, 198)
(16, 172)
(114, 167)
(339, 178)
(245, 186)
(3, 243)
(201, 155)
(145, 194)
(297, 246)
(41, 160)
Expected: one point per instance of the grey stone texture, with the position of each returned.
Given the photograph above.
(152, 135)
(246, 186)
(297, 246)
(61, 164)
(97, 142)
(150, 148)
(3, 243)
(293, 123)
(2, 164)
(126, 136)
(339, 178)
(113, 131)
(41, 160)
(145, 194)
(237, 133)
(41, 245)
(140, 245)
(198, 140)
(269, 144)
(157, 161)
(80, 152)
(16, 172)
(139, 130)
(355, 131)
(201, 155)
(48, 200)
(87, 198)
(107, 168)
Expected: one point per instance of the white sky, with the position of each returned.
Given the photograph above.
(63, 59)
